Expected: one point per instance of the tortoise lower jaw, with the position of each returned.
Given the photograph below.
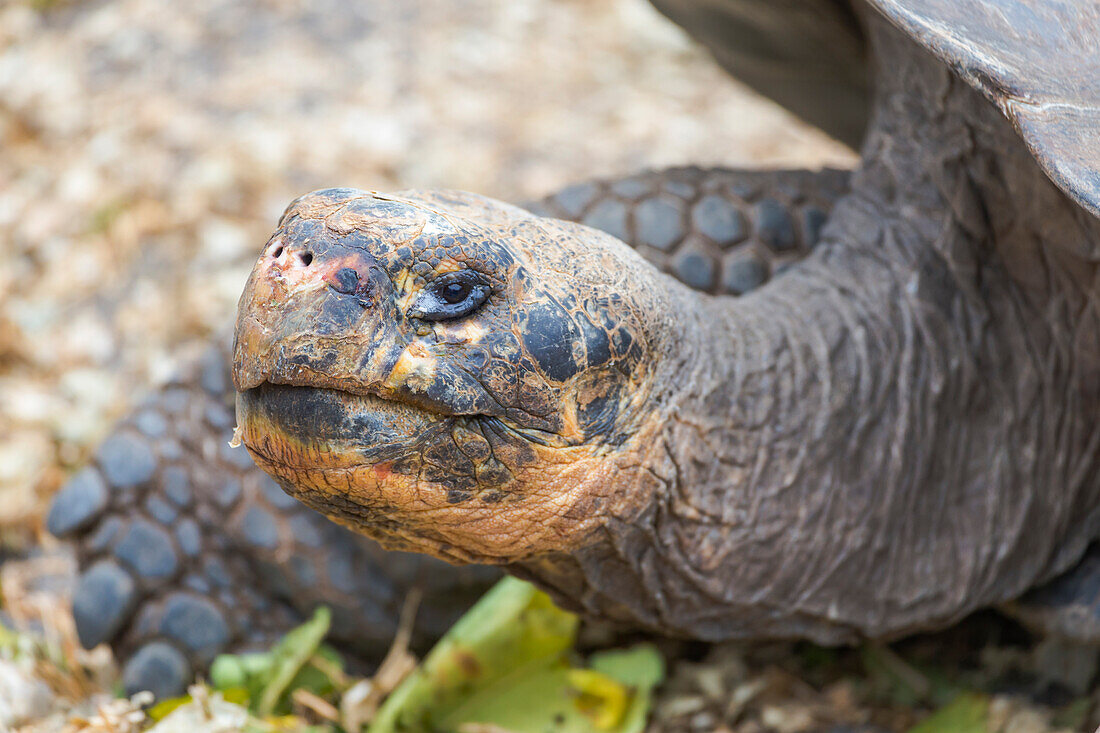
(375, 466)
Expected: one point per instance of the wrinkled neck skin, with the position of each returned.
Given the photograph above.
(897, 431)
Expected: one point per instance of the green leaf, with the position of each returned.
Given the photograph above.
(267, 678)
(642, 668)
(965, 714)
(290, 655)
(611, 697)
(512, 627)
(162, 708)
(505, 664)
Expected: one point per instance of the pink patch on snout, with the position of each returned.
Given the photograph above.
(297, 269)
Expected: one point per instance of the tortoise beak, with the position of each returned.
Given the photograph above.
(315, 313)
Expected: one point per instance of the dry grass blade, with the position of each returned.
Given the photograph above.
(360, 702)
(114, 716)
(315, 704)
(63, 662)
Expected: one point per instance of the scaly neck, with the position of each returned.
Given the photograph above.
(896, 431)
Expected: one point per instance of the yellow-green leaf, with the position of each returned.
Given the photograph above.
(967, 713)
(164, 707)
(267, 678)
(505, 664)
(513, 627)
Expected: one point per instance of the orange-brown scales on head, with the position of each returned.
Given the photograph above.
(451, 374)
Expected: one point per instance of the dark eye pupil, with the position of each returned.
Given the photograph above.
(455, 292)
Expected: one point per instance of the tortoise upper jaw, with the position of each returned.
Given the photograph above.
(365, 428)
(315, 313)
(284, 344)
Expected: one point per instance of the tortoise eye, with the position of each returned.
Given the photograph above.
(455, 292)
(449, 296)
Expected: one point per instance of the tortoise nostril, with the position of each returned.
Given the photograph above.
(278, 252)
(307, 259)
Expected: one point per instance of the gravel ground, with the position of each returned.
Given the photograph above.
(148, 148)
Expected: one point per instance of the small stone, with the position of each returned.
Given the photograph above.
(158, 667)
(196, 623)
(610, 216)
(1071, 665)
(790, 718)
(147, 549)
(719, 219)
(126, 460)
(743, 189)
(78, 504)
(102, 601)
(659, 222)
(703, 720)
(222, 239)
(774, 226)
(694, 269)
(259, 528)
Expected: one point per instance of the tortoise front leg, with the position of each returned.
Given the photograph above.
(1067, 607)
(187, 550)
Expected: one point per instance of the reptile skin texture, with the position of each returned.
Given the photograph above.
(187, 550)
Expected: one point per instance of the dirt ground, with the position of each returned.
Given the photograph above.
(148, 148)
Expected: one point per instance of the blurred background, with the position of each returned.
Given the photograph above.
(147, 148)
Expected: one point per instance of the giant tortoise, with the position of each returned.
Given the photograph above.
(714, 404)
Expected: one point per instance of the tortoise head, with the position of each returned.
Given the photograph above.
(448, 373)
